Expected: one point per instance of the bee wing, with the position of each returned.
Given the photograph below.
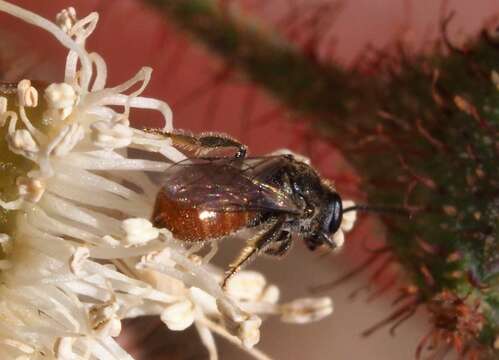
(228, 184)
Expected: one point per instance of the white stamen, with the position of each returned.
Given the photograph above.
(270, 295)
(139, 231)
(66, 18)
(306, 310)
(339, 238)
(79, 257)
(246, 286)
(178, 316)
(63, 348)
(30, 189)
(69, 136)
(60, 96)
(112, 135)
(27, 94)
(349, 217)
(105, 319)
(249, 331)
(21, 142)
(3, 105)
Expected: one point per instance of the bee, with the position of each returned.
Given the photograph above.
(218, 191)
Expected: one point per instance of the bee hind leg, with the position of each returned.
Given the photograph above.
(257, 244)
(208, 144)
(217, 140)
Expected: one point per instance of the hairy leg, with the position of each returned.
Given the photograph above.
(279, 247)
(205, 144)
(259, 242)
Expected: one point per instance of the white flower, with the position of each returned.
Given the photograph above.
(84, 255)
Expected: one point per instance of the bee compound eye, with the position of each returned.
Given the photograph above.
(335, 213)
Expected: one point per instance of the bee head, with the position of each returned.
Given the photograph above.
(329, 222)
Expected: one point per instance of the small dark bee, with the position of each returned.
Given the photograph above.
(218, 191)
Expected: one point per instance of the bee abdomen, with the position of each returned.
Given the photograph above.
(196, 224)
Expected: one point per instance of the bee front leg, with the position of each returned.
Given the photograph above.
(281, 246)
(205, 144)
(258, 243)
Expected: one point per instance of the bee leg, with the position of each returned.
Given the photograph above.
(218, 140)
(281, 246)
(204, 144)
(254, 246)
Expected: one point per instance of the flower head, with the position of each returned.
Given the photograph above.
(84, 255)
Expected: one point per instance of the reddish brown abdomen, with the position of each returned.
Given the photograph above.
(194, 224)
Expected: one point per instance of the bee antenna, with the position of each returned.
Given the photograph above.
(379, 209)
